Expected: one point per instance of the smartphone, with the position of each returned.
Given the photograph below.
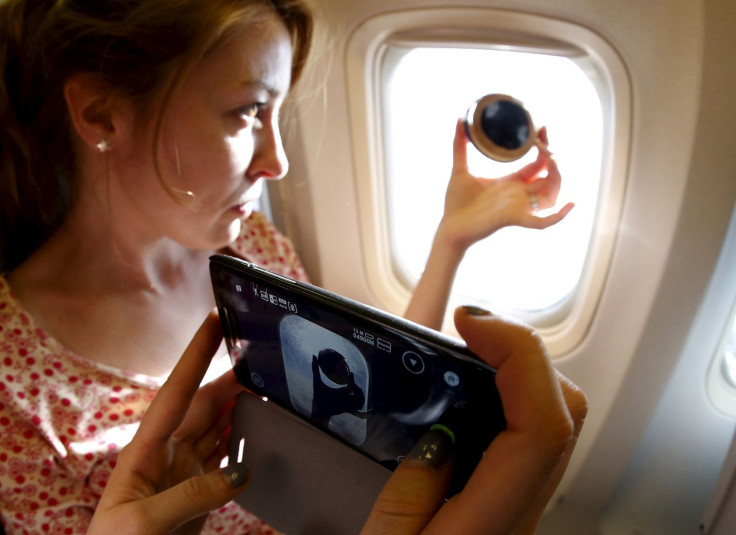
(370, 380)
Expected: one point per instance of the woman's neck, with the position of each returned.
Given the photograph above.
(94, 253)
(115, 299)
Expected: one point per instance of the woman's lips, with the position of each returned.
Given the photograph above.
(244, 207)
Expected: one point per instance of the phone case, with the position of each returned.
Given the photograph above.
(303, 480)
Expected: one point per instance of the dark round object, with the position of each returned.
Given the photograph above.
(500, 127)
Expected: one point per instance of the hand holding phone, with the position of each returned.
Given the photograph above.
(514, 482)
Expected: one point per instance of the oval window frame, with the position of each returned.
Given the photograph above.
(487, 27)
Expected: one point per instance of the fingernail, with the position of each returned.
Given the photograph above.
(433, 449)
(237, 475)
(473, 310)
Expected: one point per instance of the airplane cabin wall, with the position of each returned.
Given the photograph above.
(647, 346)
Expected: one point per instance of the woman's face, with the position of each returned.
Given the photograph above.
(219, 140)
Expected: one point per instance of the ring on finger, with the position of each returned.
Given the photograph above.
(534, 202)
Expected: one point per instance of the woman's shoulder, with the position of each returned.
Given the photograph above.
(28, 348)
(12, 316)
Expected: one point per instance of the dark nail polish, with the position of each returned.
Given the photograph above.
(433, 449)
(237, 475)
(473, 310)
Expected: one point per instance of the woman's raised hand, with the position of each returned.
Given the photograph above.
(475, 207)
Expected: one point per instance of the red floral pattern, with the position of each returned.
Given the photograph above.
(63, 418)
(262, 244)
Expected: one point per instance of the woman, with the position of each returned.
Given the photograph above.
(136, 136)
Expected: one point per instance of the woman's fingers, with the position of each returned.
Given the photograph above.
(161, 513)
(543, 222)
(545, 188)
(207, 404)
(577, 406)
(213, 441)
(520, 463)
(523, 465)
(415, 490)
(544, 192)
(531, 171)
(524, 375)
(460, 149)
(549, 186)
(154, 460)
(542, 136)
(172, 402)
(220, 452)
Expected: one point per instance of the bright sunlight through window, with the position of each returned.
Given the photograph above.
(426, 89)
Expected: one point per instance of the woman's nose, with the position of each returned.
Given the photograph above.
(269, 158)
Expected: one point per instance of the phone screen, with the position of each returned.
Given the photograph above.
(370, 379)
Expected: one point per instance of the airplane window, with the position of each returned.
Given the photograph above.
(516, 269)
(410, 75)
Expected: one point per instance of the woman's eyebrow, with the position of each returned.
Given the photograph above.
(261, 84)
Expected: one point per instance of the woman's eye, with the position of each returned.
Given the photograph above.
(251, 110)
(250, 116)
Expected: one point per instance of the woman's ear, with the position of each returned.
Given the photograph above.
(93, 110)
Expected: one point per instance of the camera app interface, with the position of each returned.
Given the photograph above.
(366, 383)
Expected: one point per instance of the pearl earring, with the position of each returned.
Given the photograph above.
(103, 145)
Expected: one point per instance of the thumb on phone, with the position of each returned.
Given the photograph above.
(416, 489)
(193, 498)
